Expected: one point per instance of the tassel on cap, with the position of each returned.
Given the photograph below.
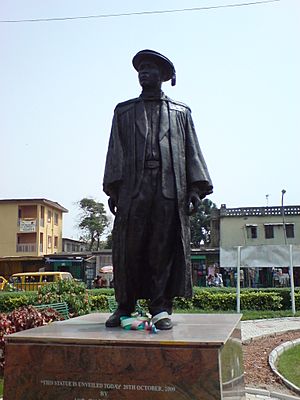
(173, 81)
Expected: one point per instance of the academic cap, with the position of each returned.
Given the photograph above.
(161, 60)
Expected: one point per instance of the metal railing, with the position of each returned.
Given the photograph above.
(26, 248)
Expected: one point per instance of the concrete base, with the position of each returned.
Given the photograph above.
(80, 359)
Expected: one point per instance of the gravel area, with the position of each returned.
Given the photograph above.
(258, 373)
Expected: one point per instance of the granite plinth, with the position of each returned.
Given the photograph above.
(80, 359)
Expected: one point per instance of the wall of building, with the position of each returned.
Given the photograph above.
(8, 229)
(233, 230)
(52, 228)
(11, 230)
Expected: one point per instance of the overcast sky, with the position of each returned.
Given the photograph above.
(237, 68)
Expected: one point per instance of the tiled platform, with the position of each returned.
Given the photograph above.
(200, 358)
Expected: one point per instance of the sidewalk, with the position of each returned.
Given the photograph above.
(259, 328)
(264, 327)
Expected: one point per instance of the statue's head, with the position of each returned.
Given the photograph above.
(153, 68)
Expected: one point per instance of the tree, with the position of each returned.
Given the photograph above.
(200, 223)
(108, 242)
(93, 222)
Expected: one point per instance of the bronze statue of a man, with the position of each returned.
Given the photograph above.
(155, 176)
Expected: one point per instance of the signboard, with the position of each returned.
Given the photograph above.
(260, 256)
(27, 225)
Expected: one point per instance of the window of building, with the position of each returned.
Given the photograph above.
(289, 229)
(269, 231)
(56, 218)
(55, 242)
(75, 247)
(251, 231)
(49, 215)
(49, 242)
(42, 215)
(41, 241)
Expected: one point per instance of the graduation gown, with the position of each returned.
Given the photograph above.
(182, 169)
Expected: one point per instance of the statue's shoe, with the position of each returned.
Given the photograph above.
(162, 321)
(164, 324)
(115, 319)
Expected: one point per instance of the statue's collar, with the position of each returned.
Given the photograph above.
(152, 96)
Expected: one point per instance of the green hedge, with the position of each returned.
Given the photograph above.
(9, 301)
(297, 301)
(105, 291)
(222, 299)
(98, 302)
(284, 293)
(208, 300)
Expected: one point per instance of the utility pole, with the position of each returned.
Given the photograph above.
(291, 269)
(283, 216)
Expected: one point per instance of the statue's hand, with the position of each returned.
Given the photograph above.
(193, 202)
(112, 204)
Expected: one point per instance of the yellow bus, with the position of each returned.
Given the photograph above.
(32, 280)
(3, 282)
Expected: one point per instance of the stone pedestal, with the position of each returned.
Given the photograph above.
(80, 359)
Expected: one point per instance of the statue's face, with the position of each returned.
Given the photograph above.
(149, 75)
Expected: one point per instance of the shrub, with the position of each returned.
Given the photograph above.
(181, 303)
(72, 292)
(207, 300)
(101, 302)
(212, 300)
(6, 327)
(9, 301)
(98, 291)
(223, 289)
(284, 293)
(98, 302)
(261, 301)
(21, 319)
(297, 301)
(29, 317)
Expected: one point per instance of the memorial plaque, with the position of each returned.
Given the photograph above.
(80, 359)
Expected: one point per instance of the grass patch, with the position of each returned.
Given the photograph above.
(288, 365)
(247, 314)
(1, 387)
(251, 314)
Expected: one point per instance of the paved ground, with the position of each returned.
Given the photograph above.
(260, 328)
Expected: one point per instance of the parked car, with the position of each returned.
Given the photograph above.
(32, 280)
